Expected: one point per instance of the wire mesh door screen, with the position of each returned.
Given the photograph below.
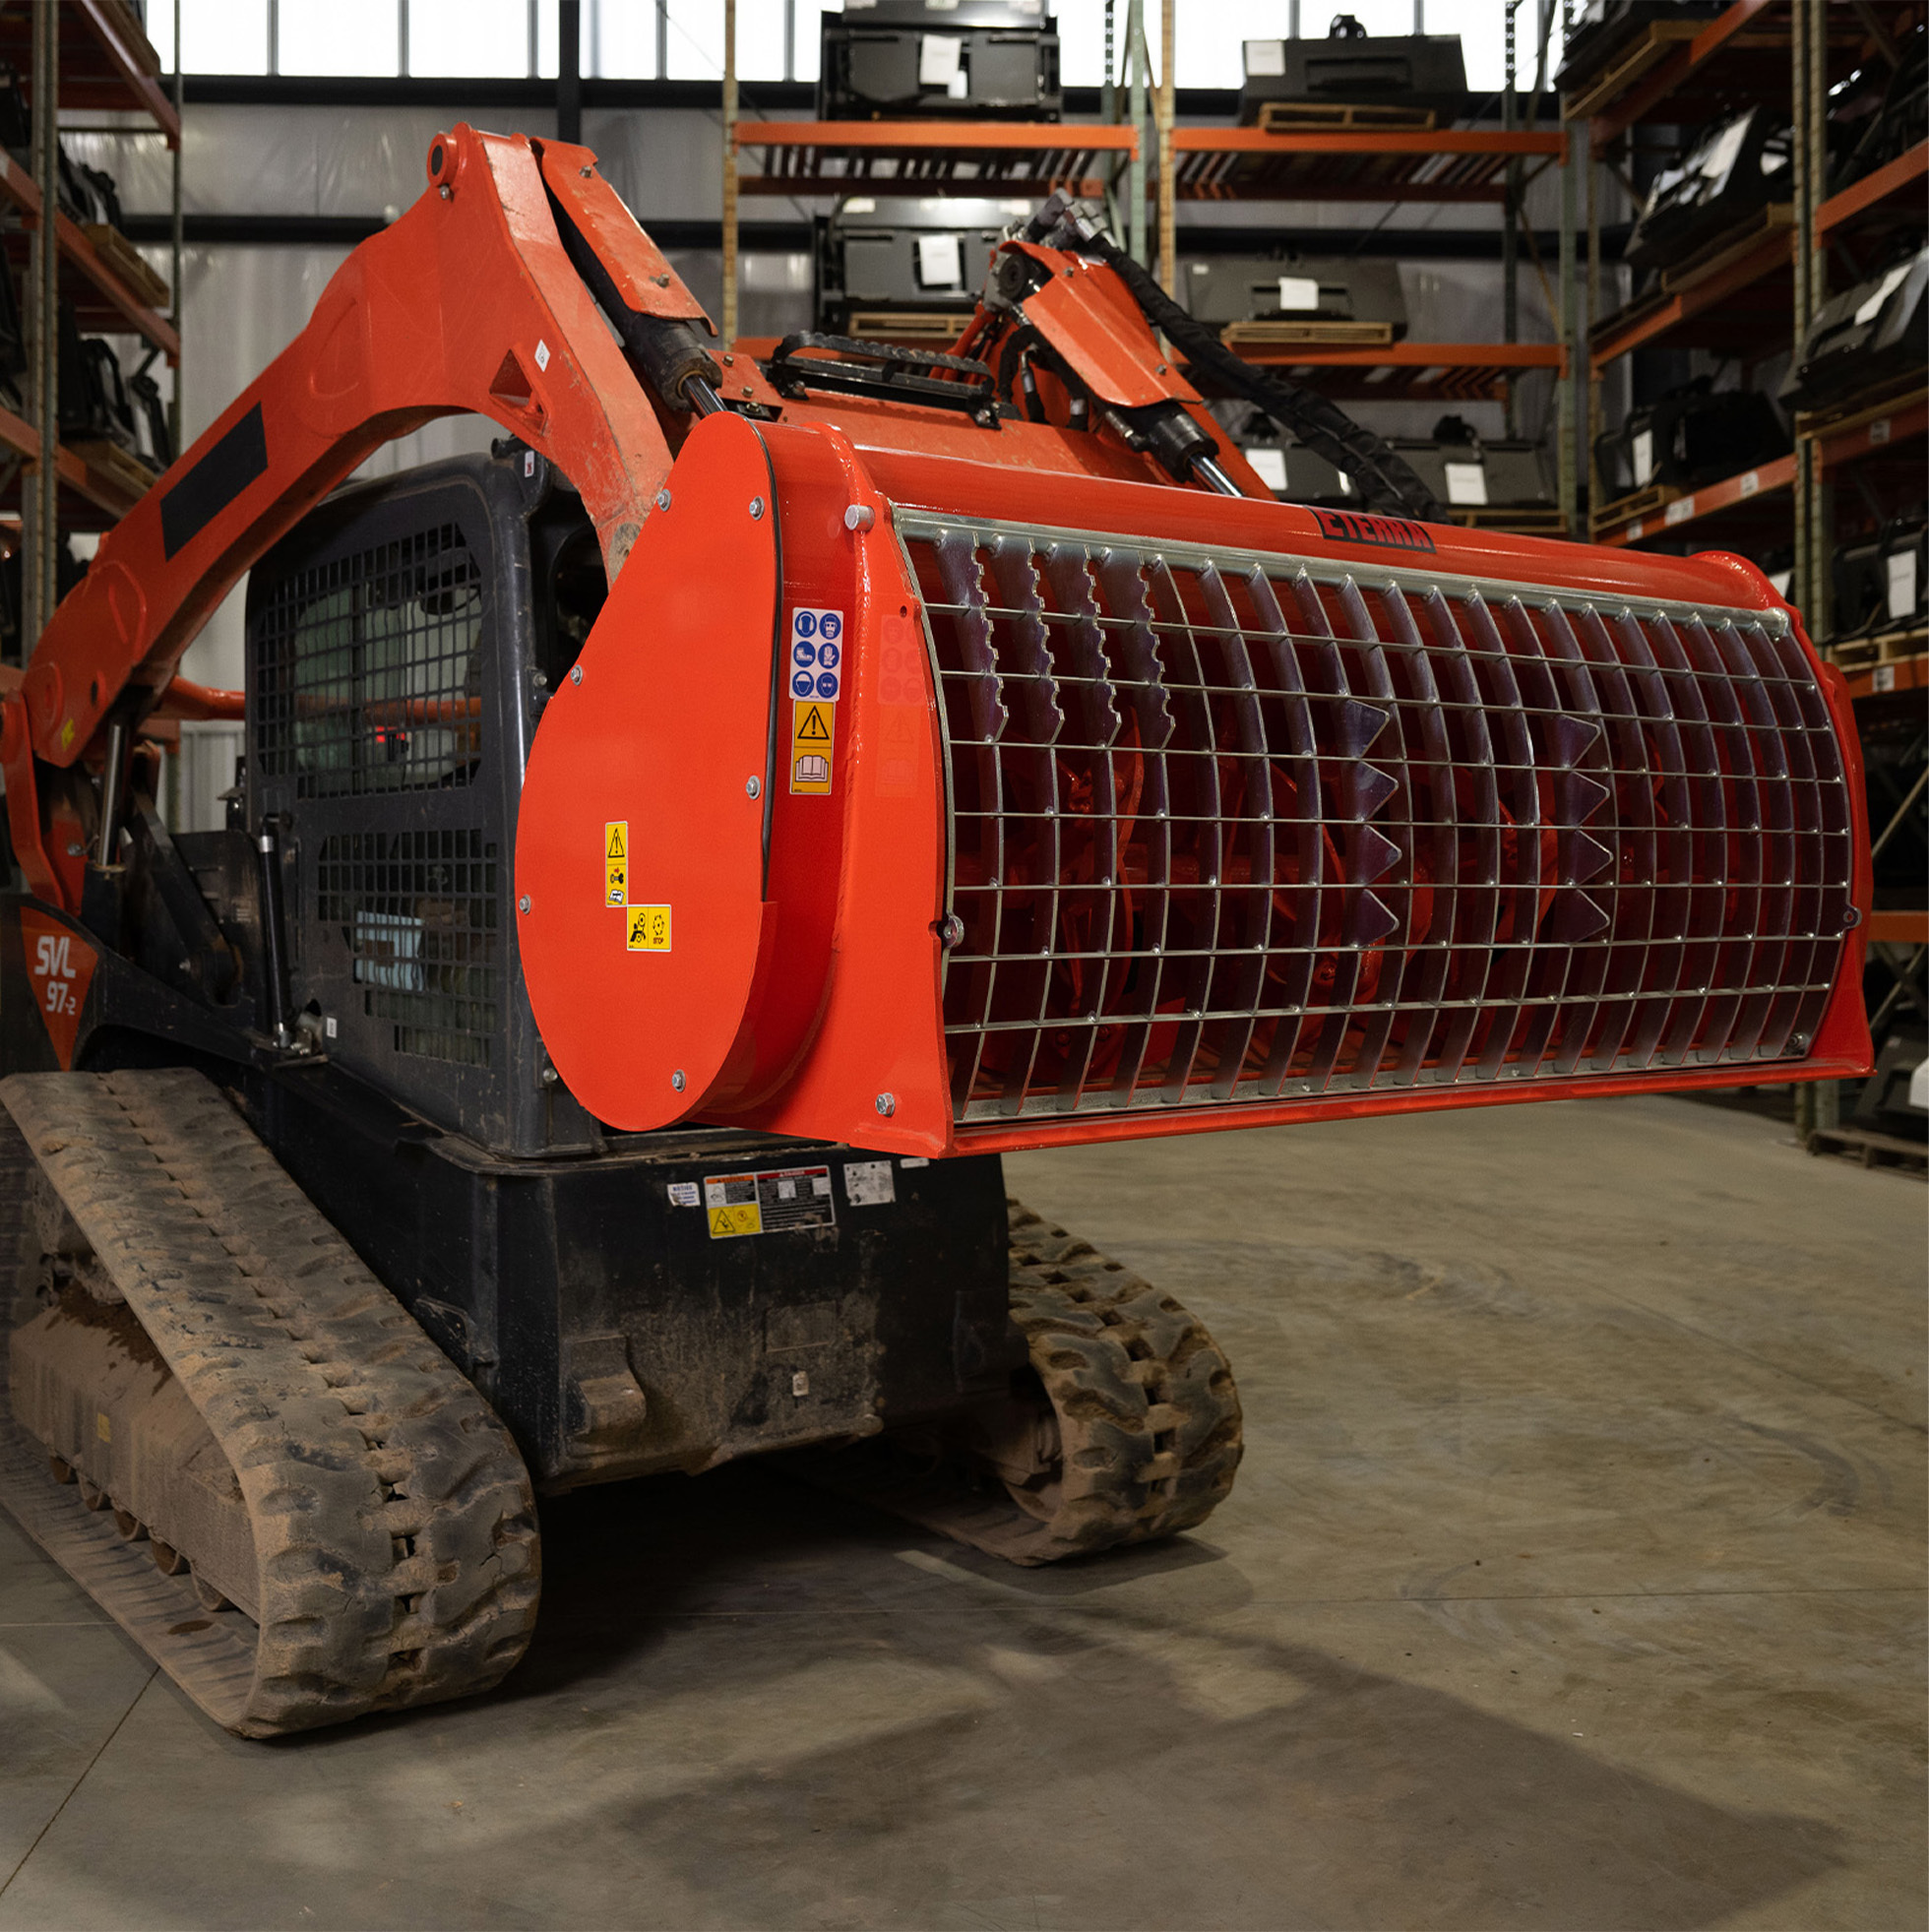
(1232, 827)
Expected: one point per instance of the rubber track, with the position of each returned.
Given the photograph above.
(1149, 1417)
(394, 1522)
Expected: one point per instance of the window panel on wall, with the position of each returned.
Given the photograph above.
(810, 35)
(545, 41)
(218, 37)
(1209, 40)
(694, 47)
(468, 36)
(619, 40)
(337, 37)
(760, 38)
(1482, 28)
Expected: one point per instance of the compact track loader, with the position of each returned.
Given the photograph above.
(678, 853)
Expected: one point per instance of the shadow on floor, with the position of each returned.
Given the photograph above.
(1134, 1769)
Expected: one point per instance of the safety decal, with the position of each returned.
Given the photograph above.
(616, 862)
(779, 1200)
(685, 1194)
(646, 928)
(813, 739)
(868, 1183)
(1382, 533)
(60, 969)
(817, 647)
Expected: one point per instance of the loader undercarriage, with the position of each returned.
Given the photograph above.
(385, 1546)
(250, 1453)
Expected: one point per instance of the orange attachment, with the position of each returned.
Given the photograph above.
(1143, 811)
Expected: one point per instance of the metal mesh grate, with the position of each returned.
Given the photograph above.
(1232, 828)
(417, 912)
(366, 671)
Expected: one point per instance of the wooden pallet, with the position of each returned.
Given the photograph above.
(1275, 333)
(889, 326)
(1890, 647)
(109, 460)
(1643, 503)
(1518, 520)
(1336, 118)
(128, 262)
(1873, 1150)
(1655, 44)
(1839, 418)
(1730, 248)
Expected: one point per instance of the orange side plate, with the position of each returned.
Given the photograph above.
(640, 845)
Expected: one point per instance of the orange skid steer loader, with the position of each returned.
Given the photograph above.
(679, 852)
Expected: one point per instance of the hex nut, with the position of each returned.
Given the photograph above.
(887, 1105)
(676, 1079)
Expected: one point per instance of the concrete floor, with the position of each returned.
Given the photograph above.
(1574, 1579)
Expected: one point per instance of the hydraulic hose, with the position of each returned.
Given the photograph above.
(1385, 480)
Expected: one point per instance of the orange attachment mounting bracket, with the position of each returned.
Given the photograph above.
(641, 838)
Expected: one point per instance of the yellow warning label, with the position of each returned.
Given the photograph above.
(102, 1427)
(813, 739)
(648, 929)
(616, 862)
(740, 1217)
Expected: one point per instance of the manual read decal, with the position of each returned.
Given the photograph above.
(59, 969)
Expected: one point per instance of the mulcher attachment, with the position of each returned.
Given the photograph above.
(1123, 1428)
(230, 1433)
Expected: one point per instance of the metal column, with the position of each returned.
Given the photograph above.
(40, 504)
(1168, 212)
(1576, 375)
(729, 172)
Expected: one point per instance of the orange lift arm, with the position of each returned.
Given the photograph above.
(482, 299)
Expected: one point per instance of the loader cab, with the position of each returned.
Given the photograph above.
(402, 642)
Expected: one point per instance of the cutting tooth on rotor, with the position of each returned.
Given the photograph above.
(1371, 920)
(1576, 918)
(1371, 787)
(1358, 725)
(1588, 858)
(1374, 856)
(1574, 737)
(1578, 796)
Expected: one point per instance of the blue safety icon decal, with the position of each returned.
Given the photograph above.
(817, 654)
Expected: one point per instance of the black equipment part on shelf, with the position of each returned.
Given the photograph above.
(1386, 483)
(1872, 334)
(1351, 67)
(1219, 290)
(1693, 435)
(1735, 168)
(902, 62)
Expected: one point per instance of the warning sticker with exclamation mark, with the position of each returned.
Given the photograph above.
(813, 739)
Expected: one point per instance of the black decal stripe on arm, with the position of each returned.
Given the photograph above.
(213, 483)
